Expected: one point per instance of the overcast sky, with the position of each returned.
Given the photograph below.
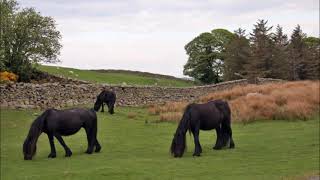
(149, 35)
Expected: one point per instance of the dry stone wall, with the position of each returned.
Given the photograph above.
(59, 95)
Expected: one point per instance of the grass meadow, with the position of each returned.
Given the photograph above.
(134, 146)
(114, 77)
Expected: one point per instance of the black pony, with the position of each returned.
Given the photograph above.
(212, 115)
(108, 97)
(57, 123)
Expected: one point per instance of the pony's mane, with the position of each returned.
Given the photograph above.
(39, 121)
(183, 127)
(184, 123)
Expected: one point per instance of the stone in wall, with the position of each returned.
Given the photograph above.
(59, 95)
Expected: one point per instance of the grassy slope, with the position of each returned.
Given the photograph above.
(132, 149)
(114, 78)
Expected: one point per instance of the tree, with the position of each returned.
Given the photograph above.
(280, 55)
(297, 58)
(26, 38)
(312, 57)
(236, 56)
(260, 61)
(206, 56)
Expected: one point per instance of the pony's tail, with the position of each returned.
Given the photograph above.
(226, 124)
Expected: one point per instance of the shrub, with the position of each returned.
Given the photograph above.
(8, 76)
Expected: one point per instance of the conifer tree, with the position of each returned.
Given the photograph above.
(260, 61)
(236, 56)
(297, 56)
(280, 55)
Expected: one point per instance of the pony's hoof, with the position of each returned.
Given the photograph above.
(68, 154)
(232, 146)
(52, 155)
(98, 149)
(196, 154)
(217, 148)
(88, 152)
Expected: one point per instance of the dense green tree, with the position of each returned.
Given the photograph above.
(236, 56)
(26, 38)
(206, 56)
(297, 55)
(312, 54)
(280, 61)
(260, 61)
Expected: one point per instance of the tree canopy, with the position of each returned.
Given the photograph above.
(220, 55)
(27, 37)
(206, 55)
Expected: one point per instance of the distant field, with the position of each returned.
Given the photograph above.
(134, 148)
(117, 77)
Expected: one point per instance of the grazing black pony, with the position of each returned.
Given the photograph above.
(212, 115)
(108, 97)
(57, 123)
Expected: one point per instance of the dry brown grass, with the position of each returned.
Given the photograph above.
(306, 176)
(170, 116)
(131, 115)
(290, 100)
(168, 107)
(170, 111)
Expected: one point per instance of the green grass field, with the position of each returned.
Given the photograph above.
(134, 149)
(114, 78)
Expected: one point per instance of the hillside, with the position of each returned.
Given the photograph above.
(117, 77)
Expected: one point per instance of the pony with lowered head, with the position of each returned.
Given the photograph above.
(212, 115)
(108, 97)
(58, 123)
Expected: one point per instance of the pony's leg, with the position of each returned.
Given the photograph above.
(102, 109)
(197, 148)
(230, 136)
(98, 147)
(227, 135)
(63, 144)
(53, 149)
(219, 142)
(91, 140)
(96, 143)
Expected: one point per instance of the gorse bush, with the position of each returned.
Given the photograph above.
(8, 76)
(285, 101)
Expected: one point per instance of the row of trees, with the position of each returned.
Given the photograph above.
(26, 38)
(220, 55)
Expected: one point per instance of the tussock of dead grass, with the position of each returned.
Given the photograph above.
(131, 115)
(170, 116)
(289, 100)
(168, 107)
(171, 111)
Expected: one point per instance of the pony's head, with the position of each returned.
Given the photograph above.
(98, 104)
(111, 107)
(178, 144)
(30, 144)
